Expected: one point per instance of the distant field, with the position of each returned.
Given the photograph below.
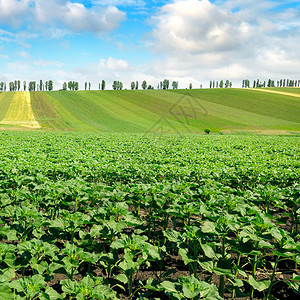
(18, 111)
(288, 90)
(166, 111)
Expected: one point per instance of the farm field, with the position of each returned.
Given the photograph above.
(168, 111)
(19, 112)
(143, 216)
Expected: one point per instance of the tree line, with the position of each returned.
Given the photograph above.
(16, 85)
(271, 83)
(220, 84)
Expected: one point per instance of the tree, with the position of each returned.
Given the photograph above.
(32, 86)
(41, 85)
(144, 85)
(136, 85)
(132, 85)
(50, 85)
(103, 85)
(221, 84)
(175, 85)
(64, 86)
(89, 86)
(117, 85)
(210, 84)
(190, 86)
(166, 83)
(24, 85)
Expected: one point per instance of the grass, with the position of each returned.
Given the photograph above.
(19, 112)
(288, 90)
(5, 100)
(168, 111)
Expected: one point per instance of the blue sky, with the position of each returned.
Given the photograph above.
(191, 41)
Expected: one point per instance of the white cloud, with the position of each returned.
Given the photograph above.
(4, 56)
(56, 13)
(120, 2)
(12, 11)
(232, 40)
(23, 54)
(198, 27)
(44, 63)
(112, 64)
(18, 66)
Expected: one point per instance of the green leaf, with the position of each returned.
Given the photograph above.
(191, 287)
(12, 236)
(152, 251)
(208, 251)
(223, 268)
(296, 277)
(117, 244)
(169, 286)
(184, 255)
(7, 275)
(259, 285)
(69, 286)
(103, 292)
(122, 277)
(50, 294)
(6, 293)
(172, 235)
(208, 227)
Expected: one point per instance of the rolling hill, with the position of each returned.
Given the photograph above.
(166, 111)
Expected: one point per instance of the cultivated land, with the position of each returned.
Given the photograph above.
(135, 216)
(19, 111)
(123, 213)
(168, 111)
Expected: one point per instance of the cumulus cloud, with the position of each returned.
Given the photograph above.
(56, 13)
(138, 3)
(231, 40)
(198, 27)
(117, 64)
(12, 11)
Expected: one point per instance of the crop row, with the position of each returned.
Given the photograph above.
(148, 217)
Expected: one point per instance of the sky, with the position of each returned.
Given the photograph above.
(189, 41)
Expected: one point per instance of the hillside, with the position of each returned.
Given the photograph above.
(167, 111)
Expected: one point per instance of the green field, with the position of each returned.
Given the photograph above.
(132, 216)
(167, 111)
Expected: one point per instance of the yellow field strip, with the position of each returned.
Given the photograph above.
(276, 92)
(20, 112)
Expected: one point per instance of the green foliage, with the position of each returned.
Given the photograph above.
(98, 210)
